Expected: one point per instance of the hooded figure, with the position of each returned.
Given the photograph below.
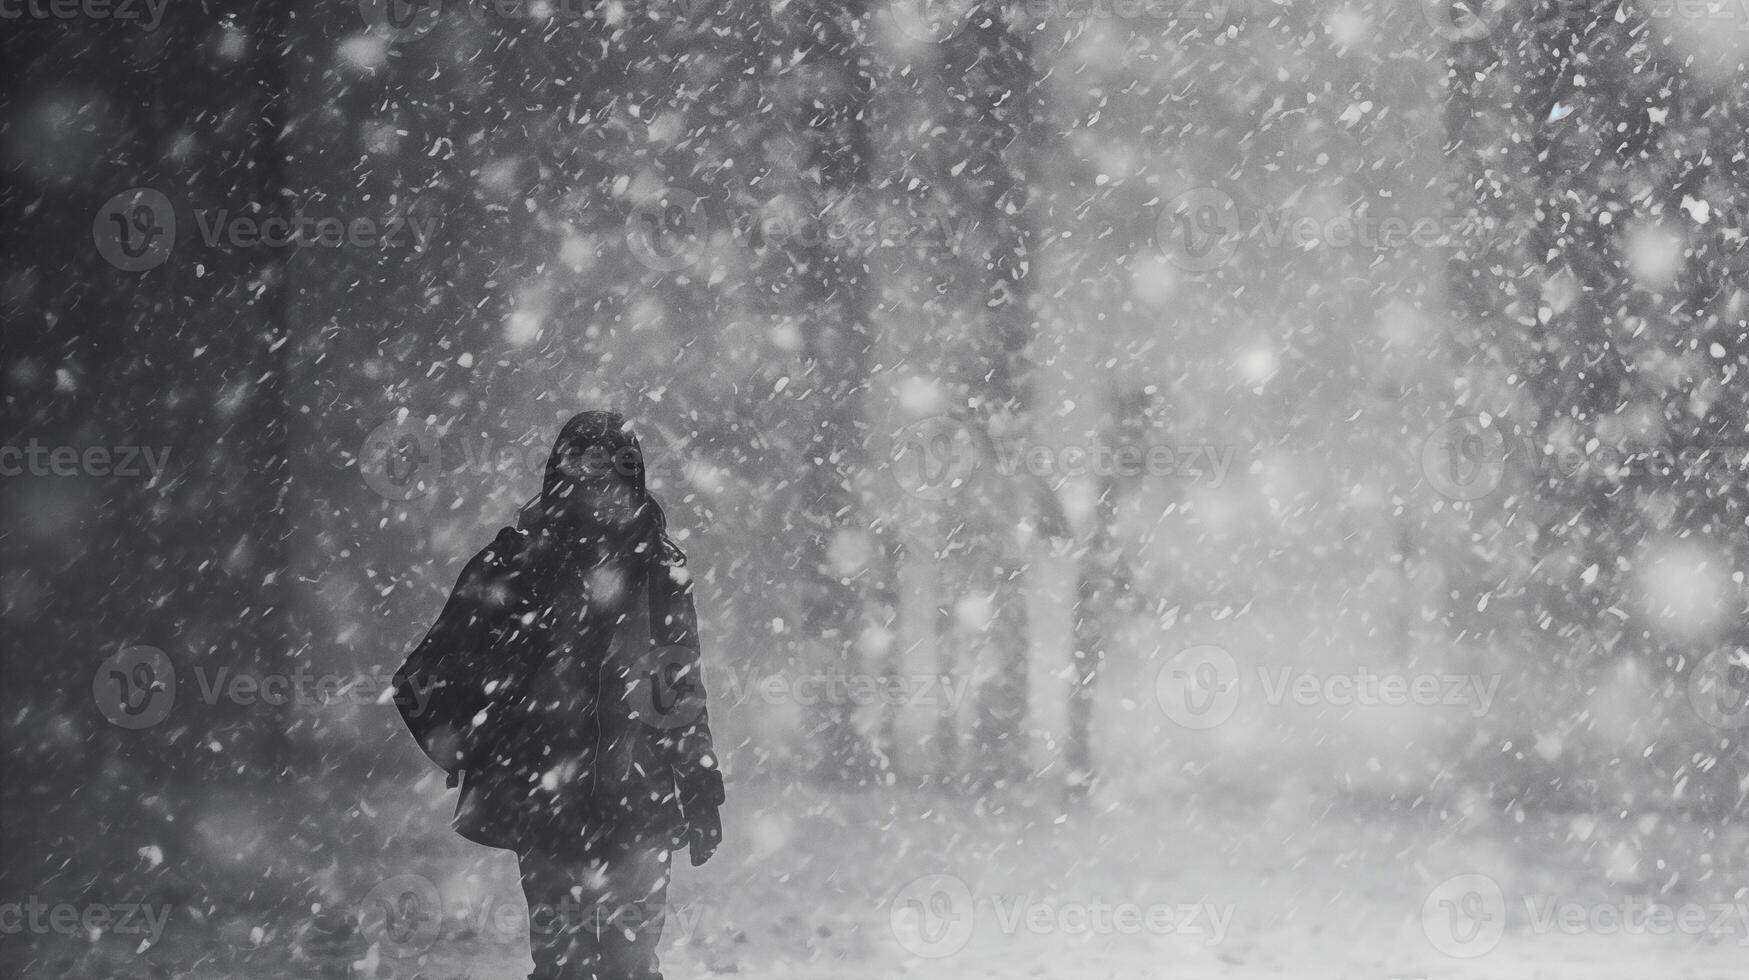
(561, 690)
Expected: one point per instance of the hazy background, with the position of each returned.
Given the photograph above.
(1397, 624)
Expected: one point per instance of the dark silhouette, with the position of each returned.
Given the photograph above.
(561, 690)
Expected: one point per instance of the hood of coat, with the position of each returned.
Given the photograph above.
(595, 450)
(595, 499)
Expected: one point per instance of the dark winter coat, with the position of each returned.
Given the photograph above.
(566, 699)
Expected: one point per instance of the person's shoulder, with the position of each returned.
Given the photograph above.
(509, 540)
(487, 576)
(497, 557)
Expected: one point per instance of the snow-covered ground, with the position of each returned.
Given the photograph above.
(829, 884)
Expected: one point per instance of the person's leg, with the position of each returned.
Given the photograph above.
(596, 915)
(634, 909)
(546, 884)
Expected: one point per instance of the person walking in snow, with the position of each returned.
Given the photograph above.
(560, 688)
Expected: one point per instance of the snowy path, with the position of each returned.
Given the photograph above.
(805, 888)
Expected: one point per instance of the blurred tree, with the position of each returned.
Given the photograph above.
(186, 357)
(989, 71)
(1602, 318)
(831, 81)
(1102, 587)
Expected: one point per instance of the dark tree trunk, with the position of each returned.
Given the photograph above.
(1102, 591)
(990, 73)
(947, 733)
(834, 81)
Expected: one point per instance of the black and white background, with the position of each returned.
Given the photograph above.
(1222, 488)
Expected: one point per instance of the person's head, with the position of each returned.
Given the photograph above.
(596, 471)
(595, 487)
